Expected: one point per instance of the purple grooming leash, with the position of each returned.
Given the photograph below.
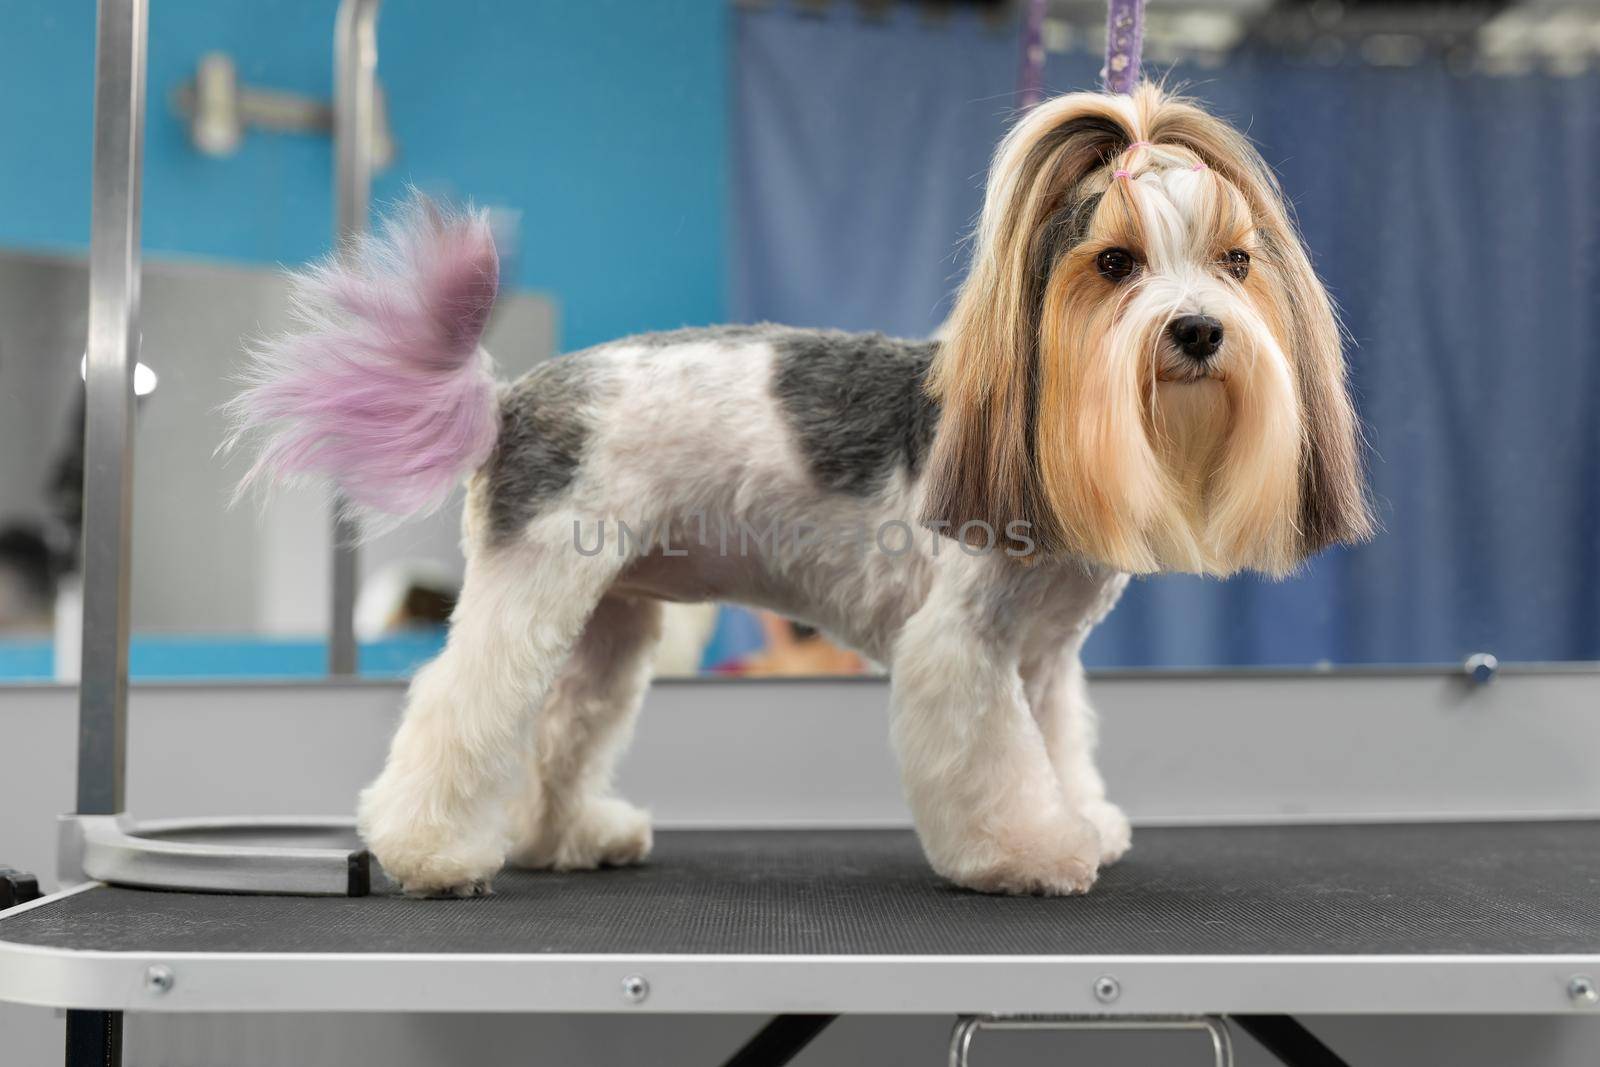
(1124, 42)
(1030, 81)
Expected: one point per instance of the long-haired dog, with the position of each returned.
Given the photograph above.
(1141, 374)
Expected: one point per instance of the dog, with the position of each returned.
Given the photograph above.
(1141, 374)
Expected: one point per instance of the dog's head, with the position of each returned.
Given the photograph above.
(1141, 364)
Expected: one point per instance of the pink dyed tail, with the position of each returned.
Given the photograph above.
(382, 388)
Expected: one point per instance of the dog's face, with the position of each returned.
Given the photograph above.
(1142, 364)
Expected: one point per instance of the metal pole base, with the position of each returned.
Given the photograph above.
(299, 856)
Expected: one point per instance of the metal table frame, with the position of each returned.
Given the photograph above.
(1028, 985)
(1261, 994)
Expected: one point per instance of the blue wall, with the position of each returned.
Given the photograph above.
(601, 123)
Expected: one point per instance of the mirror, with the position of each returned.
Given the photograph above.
(815, 164)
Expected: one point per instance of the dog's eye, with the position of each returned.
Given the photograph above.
(1238, 263)
(1114, 264)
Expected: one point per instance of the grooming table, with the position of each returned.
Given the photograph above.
(1381, 918)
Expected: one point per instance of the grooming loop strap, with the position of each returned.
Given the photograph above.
(1124, 43)
(1030, 81)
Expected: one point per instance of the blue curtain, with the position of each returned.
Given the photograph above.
(1454, 218)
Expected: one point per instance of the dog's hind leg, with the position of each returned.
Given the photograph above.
(566, 817)
(436, 818)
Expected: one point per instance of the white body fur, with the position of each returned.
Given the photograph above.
(977, 644)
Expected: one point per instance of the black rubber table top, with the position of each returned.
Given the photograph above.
(1501, 888)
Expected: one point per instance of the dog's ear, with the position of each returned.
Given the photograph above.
(983, 468)
(1334, 506)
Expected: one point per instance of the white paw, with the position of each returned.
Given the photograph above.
(428, 858)
(1116, 833)
(607, 832)
(1055, 859)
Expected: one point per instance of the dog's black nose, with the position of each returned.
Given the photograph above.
(1198, 335)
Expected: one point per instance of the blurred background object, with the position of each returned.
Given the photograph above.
(818, 162)
(27, 580)
(406, 596)
(795, 648)
(687, 631)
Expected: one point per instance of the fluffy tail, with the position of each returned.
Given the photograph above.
(382, 387)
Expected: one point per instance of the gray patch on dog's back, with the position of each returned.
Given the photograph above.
(691, 335)
(543, 429)
(857, 403)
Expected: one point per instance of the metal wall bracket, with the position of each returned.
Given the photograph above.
(1213, 1026)
(301, 856)
(1480, 667)
(220, 110)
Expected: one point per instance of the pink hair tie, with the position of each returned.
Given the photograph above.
(1199, 166)
(1120, 174)
(1140, 144)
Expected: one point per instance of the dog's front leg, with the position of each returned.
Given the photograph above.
(988, 808)
(1060, 702)
(436, 818)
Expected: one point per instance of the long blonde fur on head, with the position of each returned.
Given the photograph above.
(1066, 401)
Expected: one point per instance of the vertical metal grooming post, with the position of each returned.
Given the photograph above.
(111, 354)
(265, 855)
(355, 106)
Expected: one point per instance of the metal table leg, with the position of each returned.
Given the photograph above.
(1285, 1038)
(94, 1039)
(780, 1041)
